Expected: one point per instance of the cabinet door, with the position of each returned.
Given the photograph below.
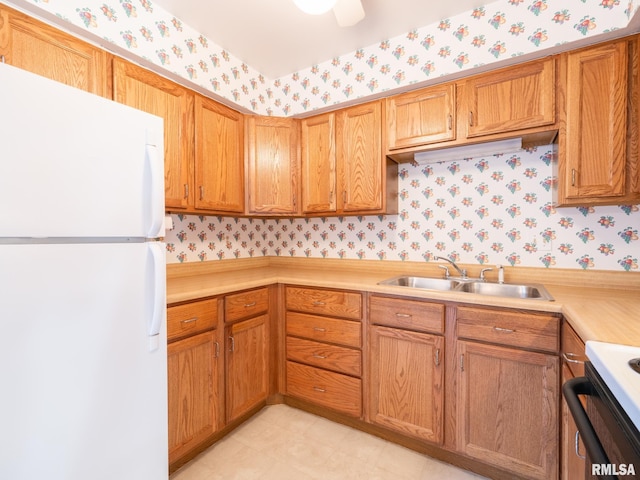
(507, 413)
(273, 165)
(31, 45)
(219, 157)
(511, 99)
(318, 161)
(422, 117)
(595, 152)
(247, 365)
(572, 449)
(192, 366)
(144, 90)
(407, 370)
(361, 163)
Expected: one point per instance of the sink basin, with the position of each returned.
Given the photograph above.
(506, 290)
(471, 286)
(427, 283)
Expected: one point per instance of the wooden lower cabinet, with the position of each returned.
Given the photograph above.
(407, 375)
(194, 401)
(247, 379)
(508, 414)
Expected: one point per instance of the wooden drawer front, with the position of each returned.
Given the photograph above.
(325, 302)
(332, 390)
(191, 318)
(332, 330)
(573, 350)
(246, 304)
(408, 314)
(538, 332)
(331, 357)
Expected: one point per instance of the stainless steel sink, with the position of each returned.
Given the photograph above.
(506, 290)
(471, 286)
(426, 283)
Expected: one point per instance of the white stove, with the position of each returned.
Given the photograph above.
(611, 361)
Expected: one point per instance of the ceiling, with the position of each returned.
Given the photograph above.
(275, 38)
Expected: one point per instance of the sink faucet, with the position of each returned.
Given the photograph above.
(462, 272)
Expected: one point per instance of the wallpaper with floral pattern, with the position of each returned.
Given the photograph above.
(492, 210)
(494, 32)
(496, 209)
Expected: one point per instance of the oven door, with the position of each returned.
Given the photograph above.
(611, 439)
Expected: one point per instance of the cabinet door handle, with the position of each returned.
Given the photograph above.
(318, 389)
(577, 446)
(437, 359)
(216, 352)
(249, 305)
(201, 192)
(462, 362)
(573, 177)
(450, 122)
(471, 119)
(232, 344)
(186, 190)
(566, 357)
(189, 320)
(2, 59)
(403, 315)
(503, 330)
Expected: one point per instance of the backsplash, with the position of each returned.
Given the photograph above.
(497, 31)
(492, 210)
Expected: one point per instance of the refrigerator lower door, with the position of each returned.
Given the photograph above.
(83, 377)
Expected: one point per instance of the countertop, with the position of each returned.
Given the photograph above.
(602, 305)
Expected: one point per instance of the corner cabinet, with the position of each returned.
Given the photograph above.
(508, 383)
(407, 355)
(219, 157)
(598, 148)
(38, 48)
(144, 90)
(273, 169)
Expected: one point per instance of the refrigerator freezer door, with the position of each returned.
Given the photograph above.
(83, 397)
(76, 165)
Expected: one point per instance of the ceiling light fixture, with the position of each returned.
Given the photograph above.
(315, 7)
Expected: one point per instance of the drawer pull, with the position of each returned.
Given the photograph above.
(189, 320)
(322, 357)
(318, 303)
(403, 315)
(503, 330)
(319, 329)
(318, 389)
(249, 305)
(566, 357)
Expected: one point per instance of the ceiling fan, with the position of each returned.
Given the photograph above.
(347, 12)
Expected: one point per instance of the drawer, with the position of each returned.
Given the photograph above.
(330, 357)
(573, 350)
(407, 314)
(325, 302)
(246, 304)
(331, 390)
(526, 330)
(191, 318)
(324, 329)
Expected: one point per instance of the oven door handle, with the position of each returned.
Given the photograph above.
(571, 389)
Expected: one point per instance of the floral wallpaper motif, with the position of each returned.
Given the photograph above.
(488, 34)
(492, 210)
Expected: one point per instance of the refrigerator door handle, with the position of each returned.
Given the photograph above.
(155, 322)
(156, 188)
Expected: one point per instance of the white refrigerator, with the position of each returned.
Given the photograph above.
(83, 377)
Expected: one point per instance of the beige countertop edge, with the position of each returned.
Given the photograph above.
(609, 315)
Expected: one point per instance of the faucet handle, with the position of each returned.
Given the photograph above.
(446, 270)
(482, 272)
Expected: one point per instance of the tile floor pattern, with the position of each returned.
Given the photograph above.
(284, 443)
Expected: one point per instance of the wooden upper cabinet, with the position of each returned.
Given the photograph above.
(318, 163)
(272, 165)
(144, 90)
(362, 166)
(421, 117)
(514, 98)
(219, 157)
(597, 161)
(36, 47)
